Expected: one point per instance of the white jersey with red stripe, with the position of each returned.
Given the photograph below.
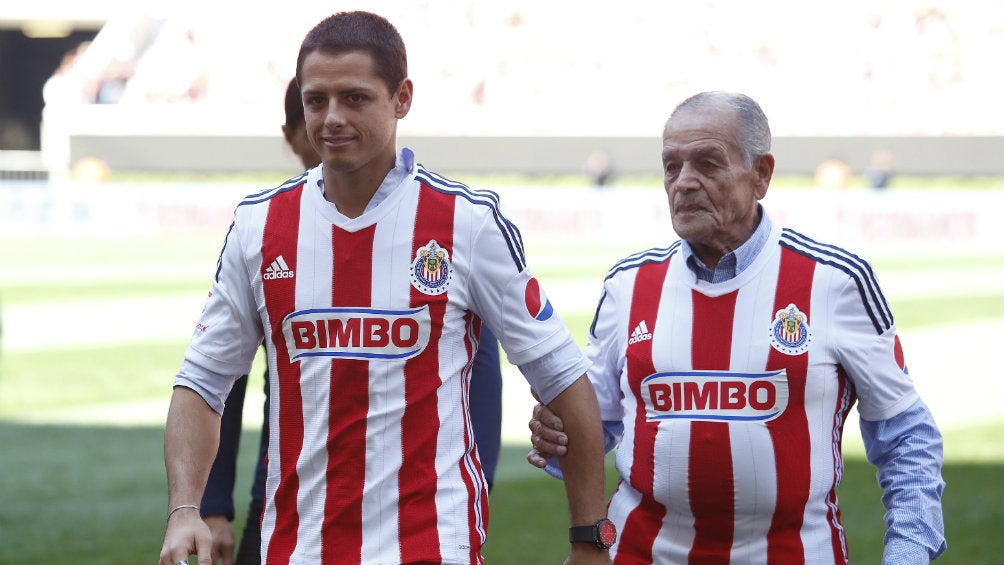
(371, 325)
(733, 397)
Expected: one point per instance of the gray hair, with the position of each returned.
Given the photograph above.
(754, 132)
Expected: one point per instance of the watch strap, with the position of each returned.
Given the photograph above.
(582, 534)
(601, 534)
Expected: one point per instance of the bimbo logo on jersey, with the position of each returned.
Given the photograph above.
(357, 333)
(715, 395)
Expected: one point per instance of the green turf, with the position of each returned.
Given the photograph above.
(58, 291)
(41, 384)
(85, 494)
(100, 490)
(97, 252)
(913, 313)
(79, 495)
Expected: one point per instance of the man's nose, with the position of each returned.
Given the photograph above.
(688, 179)
(335, 116)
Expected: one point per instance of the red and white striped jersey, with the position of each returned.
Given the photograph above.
(370, 325)
(733, 397)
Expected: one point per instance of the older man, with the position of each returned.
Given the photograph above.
(726, 364)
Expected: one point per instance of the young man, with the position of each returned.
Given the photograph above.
(726, 364)
(217, 507)
(368, 279)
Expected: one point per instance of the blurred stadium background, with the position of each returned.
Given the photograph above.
(182, 100)
(128, 130)
(198, 86)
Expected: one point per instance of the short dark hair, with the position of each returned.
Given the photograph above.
(294, 105)
(359, 31)
(754, 131)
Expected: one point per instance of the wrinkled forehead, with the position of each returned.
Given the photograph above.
(701, 127)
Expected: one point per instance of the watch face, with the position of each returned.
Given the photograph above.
(608, 533)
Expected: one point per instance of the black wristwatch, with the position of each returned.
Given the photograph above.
(602, 534)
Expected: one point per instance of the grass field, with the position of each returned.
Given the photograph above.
(84, 494)
(93, 333)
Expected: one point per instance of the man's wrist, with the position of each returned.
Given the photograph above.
(181, 507)
(602, 534)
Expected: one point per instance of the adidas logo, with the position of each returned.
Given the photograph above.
(640, 333)
(278, 270)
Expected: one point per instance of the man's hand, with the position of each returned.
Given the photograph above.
(186, 534)
(223, 538)
(546, 437)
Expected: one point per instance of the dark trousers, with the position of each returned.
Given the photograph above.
(249, 552)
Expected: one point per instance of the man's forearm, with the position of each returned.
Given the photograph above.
(582, 466)
(190, 442)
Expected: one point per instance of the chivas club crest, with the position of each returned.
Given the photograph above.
(790, 332)
(431, 271)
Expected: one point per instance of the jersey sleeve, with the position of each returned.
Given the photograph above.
(227, 335)
(605, 352)
(869, 350)
(509, 299)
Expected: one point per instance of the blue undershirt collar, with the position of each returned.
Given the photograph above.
(735, 262)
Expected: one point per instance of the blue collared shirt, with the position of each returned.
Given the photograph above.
(735, 262)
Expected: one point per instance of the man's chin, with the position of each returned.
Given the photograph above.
(340, 165)
(689, 226)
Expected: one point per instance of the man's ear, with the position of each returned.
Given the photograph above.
(764, 169)
(402, 96)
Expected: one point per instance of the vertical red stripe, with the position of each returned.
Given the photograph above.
(419, 535)
(351, 280)
(282, 226)
(789, 432)
(711, 483)
(644, 522)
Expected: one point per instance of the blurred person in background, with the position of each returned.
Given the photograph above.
(881, 170)
(217, 506)
(832, 173)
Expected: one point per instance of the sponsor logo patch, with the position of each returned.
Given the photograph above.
(431, 271)
(640, 333)
(278, 270)
(717, 396)
(357, 333)
(790, 333)
(537, 304)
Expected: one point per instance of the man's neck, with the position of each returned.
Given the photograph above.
(350, 192)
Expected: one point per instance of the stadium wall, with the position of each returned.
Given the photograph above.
(922, 156)
(900, 223)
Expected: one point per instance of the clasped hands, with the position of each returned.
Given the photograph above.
(546, 436)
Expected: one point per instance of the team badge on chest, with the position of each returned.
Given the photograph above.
(790, 333)
(431, 271)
